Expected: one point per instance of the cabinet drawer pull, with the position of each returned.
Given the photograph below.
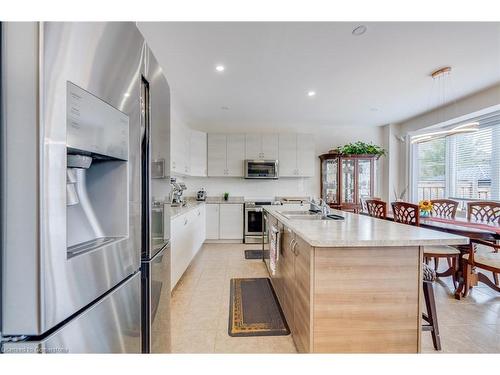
(185, 221)
(293, 248)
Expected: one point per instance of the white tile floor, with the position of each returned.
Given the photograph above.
(200, 310)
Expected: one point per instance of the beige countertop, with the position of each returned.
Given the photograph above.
(233, 200)
(361, 231)
(181, 210)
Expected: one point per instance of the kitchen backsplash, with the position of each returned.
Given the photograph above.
(216, 186)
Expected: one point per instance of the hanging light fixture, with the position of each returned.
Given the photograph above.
(469, 127)
(441, 78)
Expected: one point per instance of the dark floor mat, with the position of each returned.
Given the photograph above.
(254, 309)
(256, 254)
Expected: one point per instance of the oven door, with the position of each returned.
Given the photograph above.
(261, 169)
(253, 221)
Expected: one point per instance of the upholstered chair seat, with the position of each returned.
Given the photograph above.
(440, 250)
(486, 259)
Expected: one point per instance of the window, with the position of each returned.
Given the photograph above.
(471, 177)
(431, 169)
(461, 166)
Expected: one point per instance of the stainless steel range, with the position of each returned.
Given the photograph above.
(254, 220)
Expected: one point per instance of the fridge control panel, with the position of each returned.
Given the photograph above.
(95, 126)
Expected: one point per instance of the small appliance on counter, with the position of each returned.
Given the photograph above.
(176, 198)
(201, 195)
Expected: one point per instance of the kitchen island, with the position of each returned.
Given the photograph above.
(351, 285)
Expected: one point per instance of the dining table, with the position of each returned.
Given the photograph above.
(461, 226)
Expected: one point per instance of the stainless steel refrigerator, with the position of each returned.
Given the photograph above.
(72, 212)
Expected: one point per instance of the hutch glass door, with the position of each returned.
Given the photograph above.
(330, 182)
(348, 181)
(364, 179)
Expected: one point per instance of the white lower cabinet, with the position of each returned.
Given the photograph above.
(231, 222)
(225, 221)
(212, 221)
(188, 235)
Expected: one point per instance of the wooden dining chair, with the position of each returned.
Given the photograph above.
(408, 213)
(483, 211)
(445, 208)
(428, 277)
(376, 208)
(364, 200)
(487, 213)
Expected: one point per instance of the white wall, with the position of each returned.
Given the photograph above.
(476, 102)
(393, 182)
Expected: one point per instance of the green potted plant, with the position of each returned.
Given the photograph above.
(360, 148)
(226, 196)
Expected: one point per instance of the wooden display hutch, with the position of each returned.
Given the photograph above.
(347, 179)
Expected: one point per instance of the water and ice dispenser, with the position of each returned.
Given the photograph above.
(97, 196)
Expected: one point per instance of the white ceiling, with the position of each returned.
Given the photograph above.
(370, 80)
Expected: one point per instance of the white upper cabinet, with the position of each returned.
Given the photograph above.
(288, 155)
(235, 155)
(296, 155)
(226, 153)
(216, 149)
(270, 146)
(198, 153)
(305, 155)
(176, 155)
(180, 145)
(188, 151)
(261, 146)
(253, 146)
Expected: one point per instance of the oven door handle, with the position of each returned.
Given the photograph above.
(253, 209)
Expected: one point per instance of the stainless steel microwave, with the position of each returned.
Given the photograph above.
(263, 169)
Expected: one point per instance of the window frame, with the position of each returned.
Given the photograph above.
(450, 165)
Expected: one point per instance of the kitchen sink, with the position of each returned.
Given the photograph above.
(308, 215)
(301, 213)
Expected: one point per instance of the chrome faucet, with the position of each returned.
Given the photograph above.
(313, 206)
(321, 206)
(325, 208)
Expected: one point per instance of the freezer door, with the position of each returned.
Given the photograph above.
(156, 303)
(112, 325)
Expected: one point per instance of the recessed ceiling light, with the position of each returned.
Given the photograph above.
(311, 93)
(126, 95)
(359, 30)
(220, 68)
